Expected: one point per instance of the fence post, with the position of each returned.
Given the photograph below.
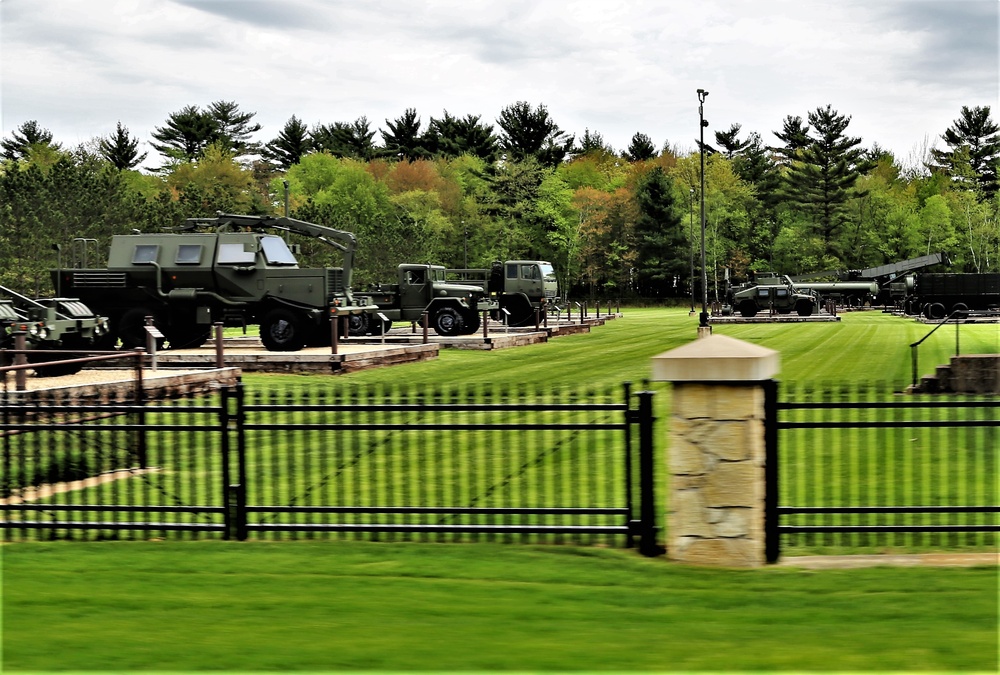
(20, 359)
(716, 458)
(772, 539)
(241, 465)
(647, 491)
(220, 359)
(227, 516)
(632, 524)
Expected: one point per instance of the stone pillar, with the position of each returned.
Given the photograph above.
(715, 456)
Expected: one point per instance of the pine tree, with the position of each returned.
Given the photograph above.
(640, 149)
(450, 136)
(662, 250)
(795, 137)
(233, 128)
(121, 149)
(23, 138)
(292, 142)
(981, 135)
(730, 142)
(530, 132)
(403, 139)
(822, 178)
(343, 139)
(186, 134)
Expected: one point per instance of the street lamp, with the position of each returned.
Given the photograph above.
(691, 242)
(703, 319)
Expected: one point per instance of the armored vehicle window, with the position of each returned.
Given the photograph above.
(234, 254)
(7, 311)
(512, 271)
(188, 254)
(765, 292)
(145, 253)
(781, 292)
(276, 251)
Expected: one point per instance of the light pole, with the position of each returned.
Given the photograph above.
(691, 242)
(703, 319)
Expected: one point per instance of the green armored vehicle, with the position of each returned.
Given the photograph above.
(452, 308)
(519, 286)
(232, 269)
(770, 291)
(50, 324)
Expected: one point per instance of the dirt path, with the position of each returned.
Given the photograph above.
(45, 491)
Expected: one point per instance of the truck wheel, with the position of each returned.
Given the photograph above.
(471, 322)
(521, 311)
(447, 322)
(132, 328)
(804, 308)
(935, 311)
(282, 330)
(748, 308)
(358, 324)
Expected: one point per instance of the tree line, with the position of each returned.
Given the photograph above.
(461, 192)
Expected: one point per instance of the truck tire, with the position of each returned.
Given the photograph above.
(471, 322)
(935, 311)
(358, 324)
(132, 328)
(521, 311)
(282, 330)
(748, 308)
(447, 322)
(804, 308)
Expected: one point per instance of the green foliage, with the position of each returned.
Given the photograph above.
(531, 132)
(291, 144)
(24, 138)
(974, 142)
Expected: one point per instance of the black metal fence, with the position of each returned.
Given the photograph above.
(444, 464)
(860, 467)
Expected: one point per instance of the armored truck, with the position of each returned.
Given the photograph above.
(771, 291)
(50, 324)
(452, 308)
(519, 286)
(233, 269)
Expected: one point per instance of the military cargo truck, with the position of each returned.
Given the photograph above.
(770, 291)
(519, 286)
(232, 269)
(452, 308)
(50, 324)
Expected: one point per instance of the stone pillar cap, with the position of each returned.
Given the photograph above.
(716, 358)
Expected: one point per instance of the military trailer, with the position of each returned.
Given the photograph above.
(452, 308)
(50, 324)
(232, 269)
(518, 286)
(773, 292)
(936, 296)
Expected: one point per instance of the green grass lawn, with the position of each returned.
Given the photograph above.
(343, 605)
(189, 606)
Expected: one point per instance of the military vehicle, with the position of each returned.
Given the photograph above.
(49, 324)
(519, 286)
(936, 296)
(452, 309)
(238, 272)
(771, 291)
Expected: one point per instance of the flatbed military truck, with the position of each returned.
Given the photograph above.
(518, 286)
(771, 291)
(452, 308)
(233, 269)
(49, 324)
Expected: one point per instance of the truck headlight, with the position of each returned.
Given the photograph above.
(34, 330)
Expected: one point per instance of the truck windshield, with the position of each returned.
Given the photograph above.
(548, 273)
(276, 251)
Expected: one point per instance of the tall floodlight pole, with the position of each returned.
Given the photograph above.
(691, 242)
(702, 94)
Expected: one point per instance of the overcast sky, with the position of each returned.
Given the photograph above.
(902, 69)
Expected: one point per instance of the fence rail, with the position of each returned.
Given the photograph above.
(856, 467)
(443, 464)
